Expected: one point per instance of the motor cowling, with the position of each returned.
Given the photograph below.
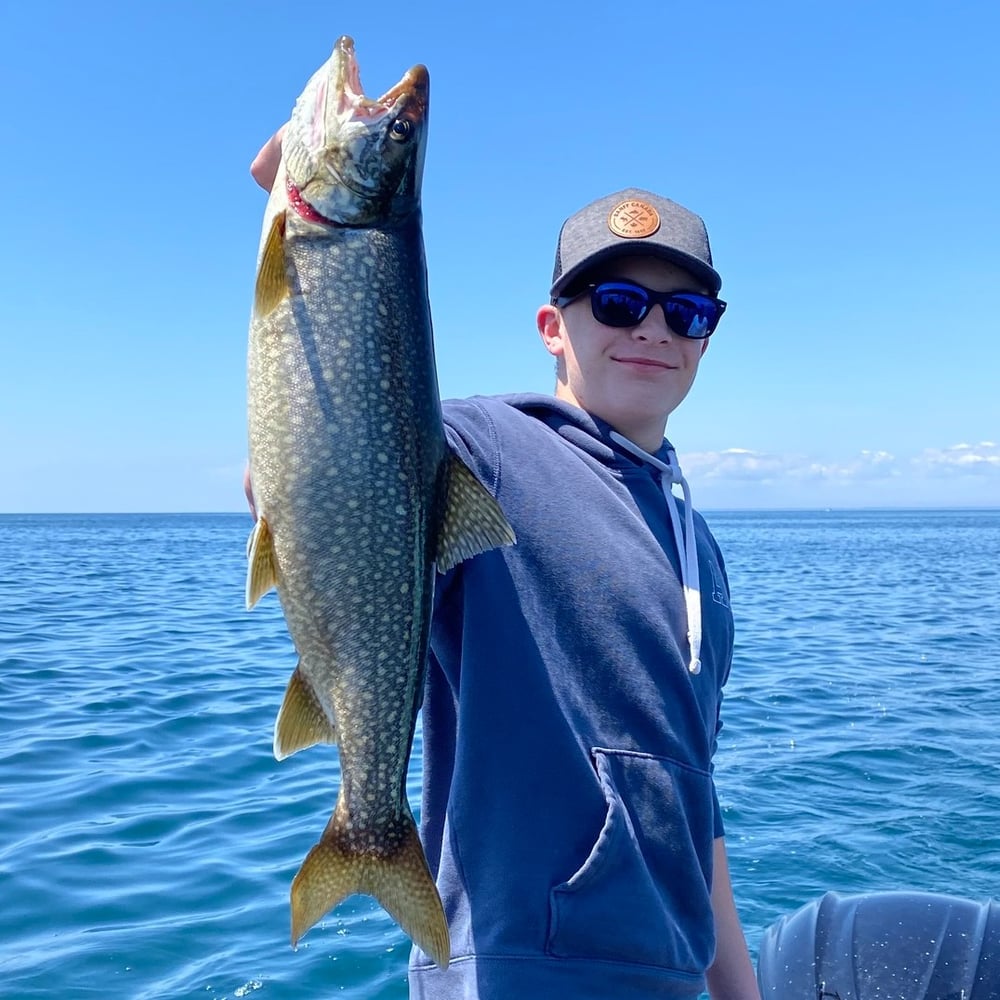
(883, 946)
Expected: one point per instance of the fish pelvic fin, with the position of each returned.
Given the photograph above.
(473, 521)
(302, 721)
(262, 567)
(395, 873)
(272, 280)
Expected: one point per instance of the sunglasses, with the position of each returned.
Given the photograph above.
(625, 303)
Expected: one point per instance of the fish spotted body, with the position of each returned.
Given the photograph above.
(359, 498)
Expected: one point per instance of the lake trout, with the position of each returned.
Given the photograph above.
(359, 498)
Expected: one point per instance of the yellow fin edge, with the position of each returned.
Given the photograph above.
(301, 720)
(272, 279)
(400, 881)
(262, 567)
(473, 521)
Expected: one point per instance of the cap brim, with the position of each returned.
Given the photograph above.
(707, 276)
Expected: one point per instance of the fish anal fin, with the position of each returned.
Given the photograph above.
(272, 280)
(301, 721)
(473, 521)
(398, 878)
(262, 567)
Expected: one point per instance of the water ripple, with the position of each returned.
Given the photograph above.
(149, 838)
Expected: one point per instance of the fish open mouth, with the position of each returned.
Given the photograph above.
(347, 80)
(413, 87)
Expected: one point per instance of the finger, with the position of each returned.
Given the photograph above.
(248, 490)
(265, 164)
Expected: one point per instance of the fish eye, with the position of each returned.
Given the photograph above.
(401, 129)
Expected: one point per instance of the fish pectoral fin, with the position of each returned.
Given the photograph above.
(301, 721)
(272, 279)
(262, 568)
(473, 521)
(399, 880)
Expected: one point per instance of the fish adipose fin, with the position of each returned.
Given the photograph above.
(272, 281)
(301, 721)
(473, 520)
(262, 570)
(341, 864)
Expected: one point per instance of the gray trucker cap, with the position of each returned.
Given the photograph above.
(630, 223)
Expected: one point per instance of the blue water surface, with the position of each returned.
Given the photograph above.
(148, 837)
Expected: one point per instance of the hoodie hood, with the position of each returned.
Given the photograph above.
(585, 431)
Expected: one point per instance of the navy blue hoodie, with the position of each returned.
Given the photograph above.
(569, 810)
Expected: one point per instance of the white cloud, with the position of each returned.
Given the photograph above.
(867, 465)
(954, 476)
(743, 464)
(962, 459)
(735, 463)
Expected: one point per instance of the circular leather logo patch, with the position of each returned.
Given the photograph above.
(633, 219)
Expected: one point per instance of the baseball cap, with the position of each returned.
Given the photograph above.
(633, 222)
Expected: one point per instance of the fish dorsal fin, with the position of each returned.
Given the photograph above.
(272, 280)
(301, 721)
(473, 521)
(262, 568)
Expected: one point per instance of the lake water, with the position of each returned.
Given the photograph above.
(148, 837)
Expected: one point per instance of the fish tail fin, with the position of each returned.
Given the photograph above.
(398, 877)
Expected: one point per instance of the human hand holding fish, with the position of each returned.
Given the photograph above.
(357, 495)
(265, 164)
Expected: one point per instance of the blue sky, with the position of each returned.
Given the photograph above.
(844, 156)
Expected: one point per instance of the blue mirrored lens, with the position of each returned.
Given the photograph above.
(690, 316)
(619, 305)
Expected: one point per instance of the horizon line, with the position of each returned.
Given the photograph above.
(818, 508)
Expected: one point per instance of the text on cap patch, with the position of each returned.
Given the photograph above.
(633, 219)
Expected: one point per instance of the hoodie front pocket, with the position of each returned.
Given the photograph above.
(642, 895)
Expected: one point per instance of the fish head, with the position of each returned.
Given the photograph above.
(353, 160)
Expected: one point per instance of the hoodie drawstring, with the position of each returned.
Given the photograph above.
(687, 545)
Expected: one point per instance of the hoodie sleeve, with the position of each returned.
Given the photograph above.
(472, 436)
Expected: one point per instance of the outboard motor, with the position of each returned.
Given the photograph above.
(883, 946)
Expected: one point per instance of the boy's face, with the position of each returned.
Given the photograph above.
(631, 377)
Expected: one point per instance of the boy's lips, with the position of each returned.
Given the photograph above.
(650, 362)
